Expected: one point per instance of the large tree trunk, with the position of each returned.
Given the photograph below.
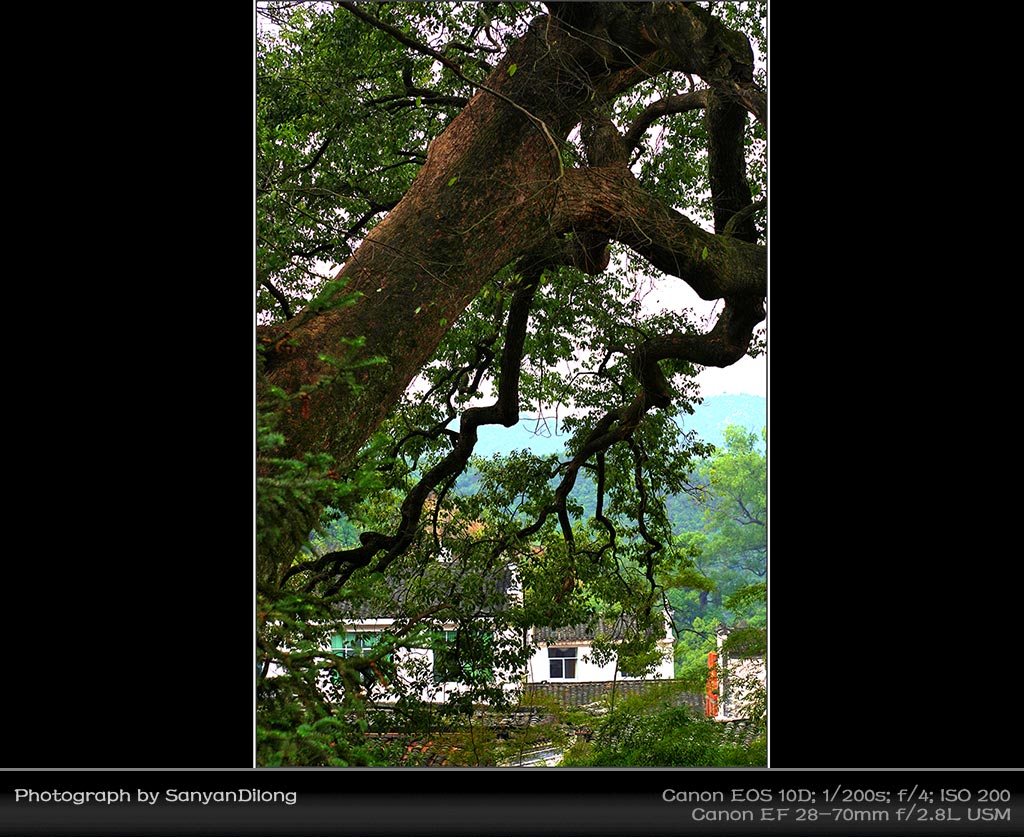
(494, 189)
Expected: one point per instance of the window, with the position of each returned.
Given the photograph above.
(463, 658)
(563, 663)
(358, 644)
(446, 658)
(354, 644)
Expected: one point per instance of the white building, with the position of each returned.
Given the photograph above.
(568, 654)
(560, 655)
(738, 680)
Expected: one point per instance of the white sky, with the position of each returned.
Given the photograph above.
(748, 376)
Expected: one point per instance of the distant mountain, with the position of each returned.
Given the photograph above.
(545, 435)
(718, 411)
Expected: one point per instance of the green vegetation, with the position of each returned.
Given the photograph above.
(467, 211)
(724, 582)
(650, 730)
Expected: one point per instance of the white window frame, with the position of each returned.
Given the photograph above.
(561, 656)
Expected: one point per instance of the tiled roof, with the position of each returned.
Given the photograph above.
(444, 580)
(583, 693)
(610, 629)
(436, 750)
(740, 731)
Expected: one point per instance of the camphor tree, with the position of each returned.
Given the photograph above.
(506, 188)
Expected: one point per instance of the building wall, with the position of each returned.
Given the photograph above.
(741, 677)
(408, 660)
(538, 669)
(587, 670)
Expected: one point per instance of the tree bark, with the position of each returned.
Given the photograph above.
(493, 189)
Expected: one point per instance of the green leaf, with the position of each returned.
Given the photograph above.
(704, 252)
(453, 180)
(512, 69)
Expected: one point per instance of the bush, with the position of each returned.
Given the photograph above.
(638, 734)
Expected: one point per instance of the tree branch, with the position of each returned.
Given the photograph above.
(608, 200)
(451, 65)
(280, 297)
(700, 43)
(743, 215)
(399, 35)
(417, 95)
(504, 411)
(726, 122)
(725, 344)
(681, 103)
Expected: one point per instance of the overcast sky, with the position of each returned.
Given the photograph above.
(748, 376)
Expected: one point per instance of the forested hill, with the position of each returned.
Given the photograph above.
(719, 411)
(544, 435)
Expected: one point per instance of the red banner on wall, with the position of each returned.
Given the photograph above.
(711, 698)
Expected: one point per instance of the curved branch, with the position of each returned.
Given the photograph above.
(414, 96)
(280, 297)
(681, 103)
(608, 200)
(722, 346)
(599, 516)
(654, 545)
(700, 43)
(504, 411)
(725, 344)
(449, 235)
(399, 35)
(743, 215)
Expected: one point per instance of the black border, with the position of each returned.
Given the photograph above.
(879, 679)
(510, 802)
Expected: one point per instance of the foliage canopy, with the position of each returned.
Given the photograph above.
(509, 193)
